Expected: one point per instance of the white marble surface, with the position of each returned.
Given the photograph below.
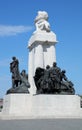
(42, 37)
(42, 106)
(41, 21)
(41, 53)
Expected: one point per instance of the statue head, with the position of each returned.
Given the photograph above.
(47, 67)
(54, 64)
(24, 71)
(41, 15)
(13, 58)
(63, 71)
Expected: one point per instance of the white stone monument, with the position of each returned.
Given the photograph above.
(41, 53)
(41, 47)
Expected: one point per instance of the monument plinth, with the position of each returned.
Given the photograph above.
(41, 106)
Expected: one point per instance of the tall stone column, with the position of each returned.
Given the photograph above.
(41, 47)
(49, 54)
(38, 56)
(35, 60)
(31, 68)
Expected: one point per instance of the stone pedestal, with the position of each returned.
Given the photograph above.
(41, 53)
(42, 106)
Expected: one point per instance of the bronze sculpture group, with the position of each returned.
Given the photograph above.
(20, 82)
(52, 81)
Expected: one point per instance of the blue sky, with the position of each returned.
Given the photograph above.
(16, 27)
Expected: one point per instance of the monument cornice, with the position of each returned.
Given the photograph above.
(42, 37)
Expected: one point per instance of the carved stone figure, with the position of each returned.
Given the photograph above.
(20, 82)
(52, 81)
(41, 22)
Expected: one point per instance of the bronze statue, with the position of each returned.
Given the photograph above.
(20, 82)
(52, 81)
(14, 69)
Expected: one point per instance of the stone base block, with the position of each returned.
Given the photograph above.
(42, 106)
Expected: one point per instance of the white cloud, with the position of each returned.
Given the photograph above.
(13, 30)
